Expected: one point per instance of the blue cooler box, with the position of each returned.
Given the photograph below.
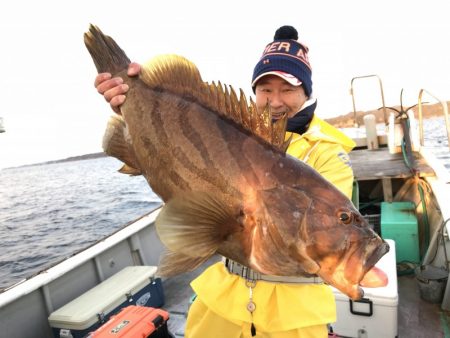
(134, 285)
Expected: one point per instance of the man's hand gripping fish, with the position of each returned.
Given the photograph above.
(229, 188)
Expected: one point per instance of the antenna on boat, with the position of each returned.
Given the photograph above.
(404, 118)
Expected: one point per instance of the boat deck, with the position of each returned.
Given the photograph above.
(416, 318)
(178, 294)
(366, 166)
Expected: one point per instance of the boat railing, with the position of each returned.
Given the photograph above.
(445, 110)
(41, 280)
(352, 93)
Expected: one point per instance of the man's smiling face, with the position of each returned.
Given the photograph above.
(281, 96)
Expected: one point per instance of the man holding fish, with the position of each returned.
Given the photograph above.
(234, 300)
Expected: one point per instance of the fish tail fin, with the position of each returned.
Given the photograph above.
(106, 53)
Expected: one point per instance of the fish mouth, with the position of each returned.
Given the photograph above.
(380, 251)
(373, 276)
(350, 279)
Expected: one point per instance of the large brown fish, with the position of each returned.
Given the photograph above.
(229, 188)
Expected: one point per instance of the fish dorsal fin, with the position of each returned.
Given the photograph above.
(180, 76)
(175, 74)
(116, 145)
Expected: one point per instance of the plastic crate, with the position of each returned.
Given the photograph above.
(399, 222)
(135, 321)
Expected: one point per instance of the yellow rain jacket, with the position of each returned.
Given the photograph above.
(325, 149)
(282, 310)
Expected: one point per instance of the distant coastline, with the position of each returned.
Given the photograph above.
(68, 159)
(79, 158)
(429, 111)
(343, 121)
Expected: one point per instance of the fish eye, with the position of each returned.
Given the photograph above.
(345, 217)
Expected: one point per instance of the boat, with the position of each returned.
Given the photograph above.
(384, 177)
(2, 126)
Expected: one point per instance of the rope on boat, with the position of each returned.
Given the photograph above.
(442, 238)
(408, 158)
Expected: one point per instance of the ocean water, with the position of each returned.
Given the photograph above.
(49, 212)
(435, 139)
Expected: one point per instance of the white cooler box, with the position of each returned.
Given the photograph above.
(134, 285)
(375, 315)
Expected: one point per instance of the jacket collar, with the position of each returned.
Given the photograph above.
(320, 130)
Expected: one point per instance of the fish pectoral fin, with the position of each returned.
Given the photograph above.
(116, 145)
(173, 263)
(194, 224)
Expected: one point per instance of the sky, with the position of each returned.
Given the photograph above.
(51, 110)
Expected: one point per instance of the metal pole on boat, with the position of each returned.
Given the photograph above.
(353, 98)
(445, 110)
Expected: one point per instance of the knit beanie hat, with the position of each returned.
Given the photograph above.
(286, 58)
